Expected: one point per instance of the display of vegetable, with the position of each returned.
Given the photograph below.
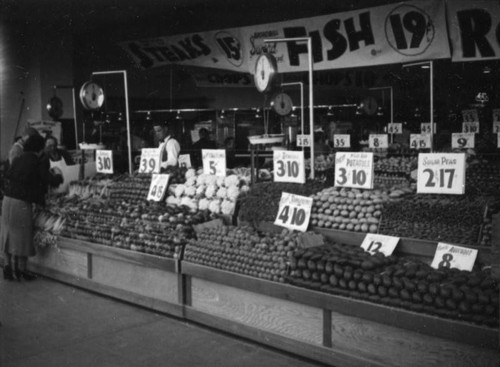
(243, 250)
(398, 281)
(482, 178)
(350, 209)
(451, 218)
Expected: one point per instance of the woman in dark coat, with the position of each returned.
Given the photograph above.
(26, 184)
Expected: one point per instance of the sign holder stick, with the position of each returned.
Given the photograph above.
(431, 93)
(301, 103)
(392, 104)
(127, 113)
(311, 87)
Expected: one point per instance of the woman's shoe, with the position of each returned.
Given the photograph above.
(7, 273)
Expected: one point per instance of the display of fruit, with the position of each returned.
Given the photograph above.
(243, 250)
(398, 281)
(218, 194)
(97, 186)
(482, 178)
(401, 165)
(454, 219)
(261, 203)
(132, 188)
(321, 162)
(148, 227)
(350, 209)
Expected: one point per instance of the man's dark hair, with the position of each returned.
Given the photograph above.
(35, 143)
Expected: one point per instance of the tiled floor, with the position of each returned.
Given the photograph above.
(46, 323)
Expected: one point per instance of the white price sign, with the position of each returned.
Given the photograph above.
(303, 140)
(463, 140)
(395, 128)
(470, 115)
(441, 173)
(498, 140)
(214, 162)
(289, 166)
(451, 256)
(376, 141)
(294, 212)
(341, 141)
(158, 187)
(184, 160)
(425, 127)
(470, 127)
(420, 141)
(496, 117)
(104, 161)
(150, 160)
(375, 243)
(354, 170)
(496, 127)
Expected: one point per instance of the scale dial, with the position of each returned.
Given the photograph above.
(266, 71)
(282, 104)
(91, 96)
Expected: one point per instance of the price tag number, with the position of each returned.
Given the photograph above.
(462, 140)
(341, 141)
(148, 165)
(441, 178)
(303, 140)
(213, 167)
(449, 256)
(157, 189)
(157, 192)
(297, 218)
(288, 168)
(377, 243)
(419, 141)
(470, 127)
(358, 177)
(496, 116)
(470, 116)
(378, 141)
(104, 161)
(395, 128)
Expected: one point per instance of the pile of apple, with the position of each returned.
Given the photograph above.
(450, 218)
(133, 188)
(398, 281)
(394, 171)
(351, 209)
(148, 227)
(243, 250)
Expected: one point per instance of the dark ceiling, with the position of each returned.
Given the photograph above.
(80, 16)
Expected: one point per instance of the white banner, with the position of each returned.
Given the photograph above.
(474, 29)
(388, 34)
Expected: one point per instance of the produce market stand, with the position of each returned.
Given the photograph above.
(329, 328)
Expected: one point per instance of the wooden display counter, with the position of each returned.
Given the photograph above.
(146, 280)
(331, 329)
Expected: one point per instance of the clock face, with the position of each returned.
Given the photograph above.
(265, 72)
(91, 96)
(282, 104)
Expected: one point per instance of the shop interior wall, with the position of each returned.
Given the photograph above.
(32, 60)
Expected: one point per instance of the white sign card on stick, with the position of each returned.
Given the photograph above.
(395, 128)
(375, 243)
(463, 140)
(158, 186)
(376, 141)
(294, 212)
(150, 160)
(289, 166)
(341, 141)
(185, 160)
(214, 161)
(496, 127)
(353, 169)
(420, 141)
(425, 127)
(451, 256)
(441, 173)
(470, 115)
(498, 140)
(470, 127)
(104, 161)
(304, 140)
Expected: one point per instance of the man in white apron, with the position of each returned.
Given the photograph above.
(170, 147)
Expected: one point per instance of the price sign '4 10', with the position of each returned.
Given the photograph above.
(294, 212)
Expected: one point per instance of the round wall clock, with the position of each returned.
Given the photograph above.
(266, 71)
(91, 96)
(282, 104)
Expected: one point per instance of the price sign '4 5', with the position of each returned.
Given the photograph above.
(294, 212)
(441, 173)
